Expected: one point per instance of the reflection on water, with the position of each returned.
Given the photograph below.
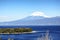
(31, 36)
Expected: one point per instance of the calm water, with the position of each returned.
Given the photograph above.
(41, 33)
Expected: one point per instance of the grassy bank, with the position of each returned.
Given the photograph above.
(14, 30)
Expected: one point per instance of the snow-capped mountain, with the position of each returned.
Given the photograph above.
(34, 20)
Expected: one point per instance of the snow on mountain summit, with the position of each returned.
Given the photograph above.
(38, 13)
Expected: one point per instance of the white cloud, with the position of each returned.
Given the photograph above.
(4, 18)
(38, 13)
(7, 18)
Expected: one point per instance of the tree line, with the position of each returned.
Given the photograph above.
(15, 30)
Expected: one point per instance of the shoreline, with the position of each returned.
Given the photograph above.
(20, 32)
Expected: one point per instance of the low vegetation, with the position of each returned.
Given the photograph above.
(15, 30)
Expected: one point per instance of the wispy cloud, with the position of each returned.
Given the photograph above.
(7, 18)
(4, 18)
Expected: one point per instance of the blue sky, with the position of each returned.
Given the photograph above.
(17, 9)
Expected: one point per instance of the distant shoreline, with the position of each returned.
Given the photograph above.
(15, 30)
(20, 32)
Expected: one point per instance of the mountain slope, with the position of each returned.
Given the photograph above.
(35, 20)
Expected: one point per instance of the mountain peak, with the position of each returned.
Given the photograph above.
(34, 17)
(34, 20)
(38, 13)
